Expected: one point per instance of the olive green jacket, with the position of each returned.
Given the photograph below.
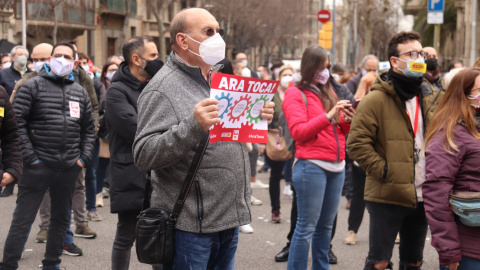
(381, 140)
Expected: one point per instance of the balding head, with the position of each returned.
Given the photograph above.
(41, 51)
(241, 56)
(185, 20)
(432, 53)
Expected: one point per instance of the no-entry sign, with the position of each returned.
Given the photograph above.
(323, 16)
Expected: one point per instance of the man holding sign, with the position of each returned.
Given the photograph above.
(174, 114)
(386, 138)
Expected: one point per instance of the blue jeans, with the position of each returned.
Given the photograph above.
(318, 194)
(466, 263)
(69, 235)
(213, 251)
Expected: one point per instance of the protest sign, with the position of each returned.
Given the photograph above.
(240, 100)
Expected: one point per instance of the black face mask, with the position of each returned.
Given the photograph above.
(432, 64)
(152, 67)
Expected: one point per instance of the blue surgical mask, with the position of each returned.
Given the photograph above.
(245, 62)
(412, 73)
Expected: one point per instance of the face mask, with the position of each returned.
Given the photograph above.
(415, 68)
(61, 66)
(245, 62)
(6, 64)
(38, 66)
(109, 75)
(477, 107)
(364, 72)
(212, 49)
(21, 61)
(322, 77)
(86, 68)
(432, 64)
(285, 81)
(246, 72)
(153, 66)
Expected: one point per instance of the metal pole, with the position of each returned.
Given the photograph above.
(24, 24)
(355, 35)
(333, 37)
(473, 49)
(436, 38)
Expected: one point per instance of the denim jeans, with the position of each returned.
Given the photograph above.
(213, 251)
(91, 179)
(386, 220)
(31, 190)
(69, 235)
(466, 263)
(318, 194)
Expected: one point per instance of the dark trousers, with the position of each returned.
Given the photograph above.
(276, 169)
(91, 179)
(31, 190)
(386, 220)
(357, 206)
(124, 239)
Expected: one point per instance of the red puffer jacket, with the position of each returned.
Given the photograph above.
(315, 137)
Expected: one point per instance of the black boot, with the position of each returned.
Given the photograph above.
(8, 190)
(120, 259)
(370, 266)
(282, 256)
(407, 267)
(332, 259)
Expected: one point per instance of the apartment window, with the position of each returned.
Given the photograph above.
(111, 46)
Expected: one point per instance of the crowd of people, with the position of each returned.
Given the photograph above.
(402, 143)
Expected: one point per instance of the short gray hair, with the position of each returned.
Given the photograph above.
(370, 56)
(14, 50)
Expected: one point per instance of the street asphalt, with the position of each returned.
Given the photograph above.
(255, 251)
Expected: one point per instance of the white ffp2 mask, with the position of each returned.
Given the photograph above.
(61, 66)
(212, 49)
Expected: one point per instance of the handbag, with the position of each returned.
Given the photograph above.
(276, 147)
(155, 230)
(466, 205)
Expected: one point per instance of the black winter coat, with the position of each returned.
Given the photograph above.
(9, 77)
(128, 183)
(11, 152)
(51, 127)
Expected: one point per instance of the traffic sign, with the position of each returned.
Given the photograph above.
(323, 16)
(436, 5)
(435, 18)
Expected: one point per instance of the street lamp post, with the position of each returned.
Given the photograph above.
(24, 24)
(473, 46)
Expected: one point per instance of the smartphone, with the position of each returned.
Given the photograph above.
(355, 104)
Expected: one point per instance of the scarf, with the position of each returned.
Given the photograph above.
(405, 87)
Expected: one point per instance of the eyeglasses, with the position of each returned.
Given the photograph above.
(66, 56)
(415, 54)
(210, 32)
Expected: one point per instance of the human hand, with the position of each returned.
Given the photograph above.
(369, 78)
(79, 163)
(452, 266)
(6, 179)
(206, 113)
(340, 106)
(267, 111)
(348, 115)
(261, 148)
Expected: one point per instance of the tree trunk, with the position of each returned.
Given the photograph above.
(345, 30)
(55, 25)
(123, 35)
(158, 7)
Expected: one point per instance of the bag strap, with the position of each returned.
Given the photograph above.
(187, 184)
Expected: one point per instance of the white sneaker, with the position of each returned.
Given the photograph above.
(287, 190)
(246, 228)
(256, 201)
(258, 185)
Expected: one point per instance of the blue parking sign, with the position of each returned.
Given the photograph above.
(436, 5)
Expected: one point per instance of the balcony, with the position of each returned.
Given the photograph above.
(117, 6)
(70, 13)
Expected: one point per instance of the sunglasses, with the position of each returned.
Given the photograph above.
(66, 56)
(210, 32)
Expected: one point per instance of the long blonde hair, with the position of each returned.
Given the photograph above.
(454, 108)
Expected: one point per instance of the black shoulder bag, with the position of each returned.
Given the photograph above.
(154, 237)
